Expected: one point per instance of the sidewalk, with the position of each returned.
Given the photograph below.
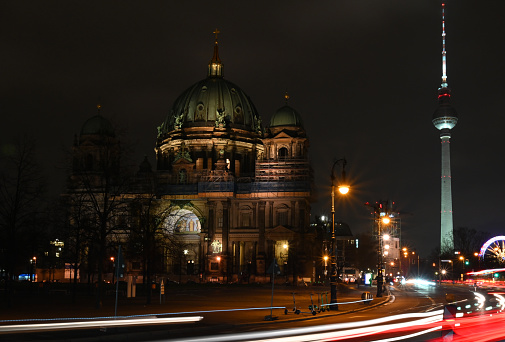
(193, 300)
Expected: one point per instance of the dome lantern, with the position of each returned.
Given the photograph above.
(215, 64)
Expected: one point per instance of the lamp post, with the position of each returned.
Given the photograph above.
(343, 189)
(462, 258)
(380, 277)
(325, 268)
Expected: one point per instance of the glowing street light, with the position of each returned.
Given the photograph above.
(343, 189)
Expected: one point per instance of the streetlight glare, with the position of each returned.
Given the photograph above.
(386, 220)
(386, 237)
(343, 189)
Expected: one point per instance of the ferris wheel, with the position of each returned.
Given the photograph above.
(494, 249)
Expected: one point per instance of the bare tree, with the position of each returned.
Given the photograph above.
(150, 240)
(468, 240)
(97, 185)
(21, 190)
(75, 227)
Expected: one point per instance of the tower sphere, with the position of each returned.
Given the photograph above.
(445, 116)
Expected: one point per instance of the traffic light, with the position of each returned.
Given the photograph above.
(467, 262)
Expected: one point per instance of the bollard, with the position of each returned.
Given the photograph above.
(367, 296)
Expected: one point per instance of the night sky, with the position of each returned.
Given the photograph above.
(363, 74)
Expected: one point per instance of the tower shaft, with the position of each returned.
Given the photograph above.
(444, 119)
(446, 221)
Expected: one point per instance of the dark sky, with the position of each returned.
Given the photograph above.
(363, 74)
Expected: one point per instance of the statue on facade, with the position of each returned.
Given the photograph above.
(220, 119)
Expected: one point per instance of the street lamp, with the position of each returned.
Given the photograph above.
(343, 188)
(33, 271)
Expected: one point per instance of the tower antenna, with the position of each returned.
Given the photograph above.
(444, 53)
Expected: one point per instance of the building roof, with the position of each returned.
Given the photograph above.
(213, 102)
(286, 116)
(98, 125)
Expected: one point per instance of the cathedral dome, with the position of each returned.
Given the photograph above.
(211, 102)
(286, 116)
(98, 125)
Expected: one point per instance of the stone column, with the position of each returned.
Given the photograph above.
(271, 214)
(260, 258)
(211, 229)
(254, 211)
(293, 212)
(226, 240)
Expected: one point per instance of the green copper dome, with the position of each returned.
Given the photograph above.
(286, 116)
(98, 125)
(213, 102)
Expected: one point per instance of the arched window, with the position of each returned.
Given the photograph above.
(283, 153)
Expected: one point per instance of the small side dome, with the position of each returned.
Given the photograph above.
(98, 125)
(286, 116)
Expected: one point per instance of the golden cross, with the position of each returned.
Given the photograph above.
(216, 32)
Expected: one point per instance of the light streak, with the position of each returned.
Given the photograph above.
(94, 324)
(404, 337)
(480, 299)
(501, 300)
(136, 316)
(420, 282)
(488, 271)
(331, 331)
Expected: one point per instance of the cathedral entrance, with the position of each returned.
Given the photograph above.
(183, 228)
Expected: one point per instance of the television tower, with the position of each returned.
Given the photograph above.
(444, 119)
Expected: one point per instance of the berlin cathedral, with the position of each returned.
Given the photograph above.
(233, 192)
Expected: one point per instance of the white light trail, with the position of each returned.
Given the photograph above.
(480, 299)
(330, 331)
(94, 324)
(501, 300)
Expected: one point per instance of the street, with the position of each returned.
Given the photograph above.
(234, 309)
